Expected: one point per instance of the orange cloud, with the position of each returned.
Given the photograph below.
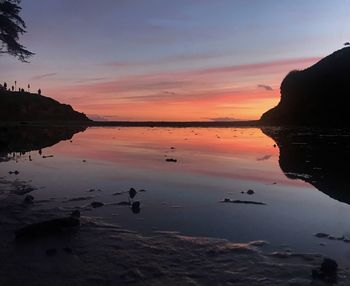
(229, 91)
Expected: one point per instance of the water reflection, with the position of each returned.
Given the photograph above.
(318, 157)
(15, 139)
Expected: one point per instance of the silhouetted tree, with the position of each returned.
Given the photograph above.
(39, 91)
(11, 27)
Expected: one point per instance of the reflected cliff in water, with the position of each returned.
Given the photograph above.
(318, 157)
(18, 139)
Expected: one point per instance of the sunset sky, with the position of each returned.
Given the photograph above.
(173, 60)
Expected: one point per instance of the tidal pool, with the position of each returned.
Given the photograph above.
(300, 175)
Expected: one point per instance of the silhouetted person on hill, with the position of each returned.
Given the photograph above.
(13, 88)
(28, 87)
(5, 85)
(39, 91)
(22, 89)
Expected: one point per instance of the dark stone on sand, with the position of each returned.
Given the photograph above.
(47, 228)
(327, 272)
(171, 160)
(28, 199)
(97, 204)
(250, 192)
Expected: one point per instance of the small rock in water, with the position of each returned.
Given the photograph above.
(250, 192)
(48, 156)
(14, 172)
(136, 207)
(321, 235)
(242, 202)
(97, 204)
(132, 193)
(171, 160)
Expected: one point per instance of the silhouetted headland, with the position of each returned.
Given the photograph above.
(316, 96)
(319, 157)
(23, 106)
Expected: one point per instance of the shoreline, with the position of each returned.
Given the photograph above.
(98, 253)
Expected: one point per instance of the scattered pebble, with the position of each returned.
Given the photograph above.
(28, 199)
(250, 192)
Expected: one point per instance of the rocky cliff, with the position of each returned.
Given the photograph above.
(29, 107)
(316, 96)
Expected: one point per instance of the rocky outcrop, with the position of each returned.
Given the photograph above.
(316, 96)
(30, 107)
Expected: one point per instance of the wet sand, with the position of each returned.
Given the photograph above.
(97, 253)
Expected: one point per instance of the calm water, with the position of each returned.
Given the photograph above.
(302, 179)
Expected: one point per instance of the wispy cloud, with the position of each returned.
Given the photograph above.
(166, 60)
(264, 158)
(266, 87)
(42, 76)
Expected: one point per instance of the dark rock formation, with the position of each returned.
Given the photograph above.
(316, 156)
(316, 96)
(50, 227)
(29, 107)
